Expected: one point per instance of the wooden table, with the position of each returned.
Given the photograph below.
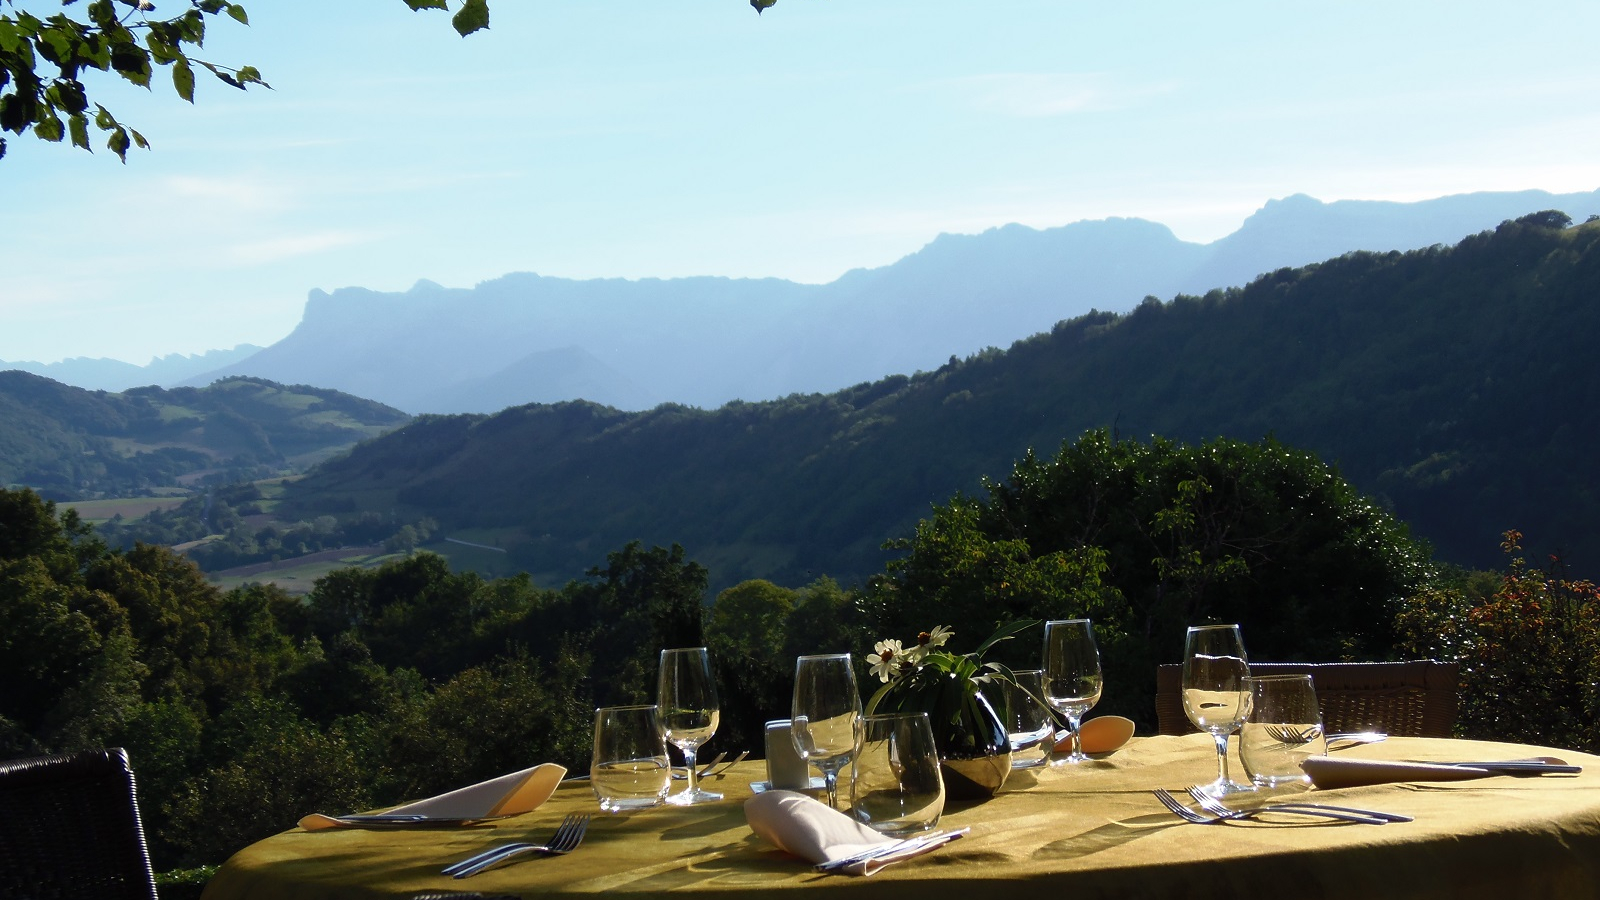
(1091, 831)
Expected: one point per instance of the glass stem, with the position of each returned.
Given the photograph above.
(688, 760)
(831, 778)
(1222, 757)
(1073, 721)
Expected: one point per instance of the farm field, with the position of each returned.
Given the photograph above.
(96, 511)
(298, 575)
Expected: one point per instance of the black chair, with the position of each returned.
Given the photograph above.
(69, 829)
(1416, 698)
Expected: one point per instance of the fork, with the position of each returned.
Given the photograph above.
(566, 839)
(1289, 734)
(705, 770)
(1212, 804)
(1228, 815)
(724, 770)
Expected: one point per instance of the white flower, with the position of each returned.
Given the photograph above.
(885, 659)
(935, 638)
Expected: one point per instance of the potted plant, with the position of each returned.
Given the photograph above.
(974, 748)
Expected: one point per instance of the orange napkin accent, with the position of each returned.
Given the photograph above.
(509, 795)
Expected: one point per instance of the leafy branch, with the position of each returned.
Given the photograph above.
(126, 38)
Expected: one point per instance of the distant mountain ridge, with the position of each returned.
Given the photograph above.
(101, 374)
(706, 341)
(1454, 384)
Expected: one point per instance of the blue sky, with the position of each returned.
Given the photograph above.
(661, 138)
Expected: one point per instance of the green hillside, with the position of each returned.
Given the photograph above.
(69, 443)
(1454, 384)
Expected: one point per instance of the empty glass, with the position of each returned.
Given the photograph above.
(1214, 694)
(896, 787)
(1283, 728)
(826, 725)
(687, 697)
(1028, 720)
(1072, 680)
(629, 769)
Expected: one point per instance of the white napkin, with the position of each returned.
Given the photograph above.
(508, 795)
(810, 830)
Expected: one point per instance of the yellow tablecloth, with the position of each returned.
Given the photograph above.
(1091, 831)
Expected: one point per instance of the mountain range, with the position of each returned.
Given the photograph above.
(1452, 384)
(704, 341)
(102, 374)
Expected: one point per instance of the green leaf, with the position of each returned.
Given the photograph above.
(426, 4)
(118, 142)
(11, 37)
(474, 16)
(103, 119)
(762, 4)
(139, 139)
(238, 14)
(78, 124)
(49, 129)
(183, 79)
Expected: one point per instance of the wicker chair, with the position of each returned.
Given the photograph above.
(1410, 699)
(69, 829)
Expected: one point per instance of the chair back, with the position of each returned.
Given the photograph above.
(69, 829)
(1407, 699)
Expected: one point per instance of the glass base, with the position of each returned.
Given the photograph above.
(1071, 759)
(1220, 788)
(690, 798)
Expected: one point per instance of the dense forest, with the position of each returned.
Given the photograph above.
(70, 444)
(1452, 384)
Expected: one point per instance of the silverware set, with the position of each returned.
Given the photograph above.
(566, 839)
(920, 842)
(1212, 811)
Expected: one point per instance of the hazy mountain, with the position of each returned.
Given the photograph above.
(1454, 384)
(102, 374)
(705, 341)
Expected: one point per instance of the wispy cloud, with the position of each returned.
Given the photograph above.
(1045, 94)
(278, 249)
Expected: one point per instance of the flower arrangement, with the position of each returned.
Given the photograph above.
(946, 685)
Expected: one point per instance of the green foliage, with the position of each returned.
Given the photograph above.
(243, 711)
(1529, 646)
(131, 43)
(1148, 538)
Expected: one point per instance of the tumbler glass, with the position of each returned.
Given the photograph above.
(896, 788)
(630, 768)
(1283, 728)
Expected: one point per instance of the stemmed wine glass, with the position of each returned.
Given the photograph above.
(687, 697)
(827, 725)
(1215, 696)
(1072, 680)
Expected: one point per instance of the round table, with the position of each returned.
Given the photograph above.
(1089, 831)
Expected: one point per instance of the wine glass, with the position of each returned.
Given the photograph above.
(827, 715)
(1215, 696)
(689, 713)
(1072, 680)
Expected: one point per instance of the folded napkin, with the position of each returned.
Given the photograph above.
(1330, 772)
(812, 831)
(508, 795)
